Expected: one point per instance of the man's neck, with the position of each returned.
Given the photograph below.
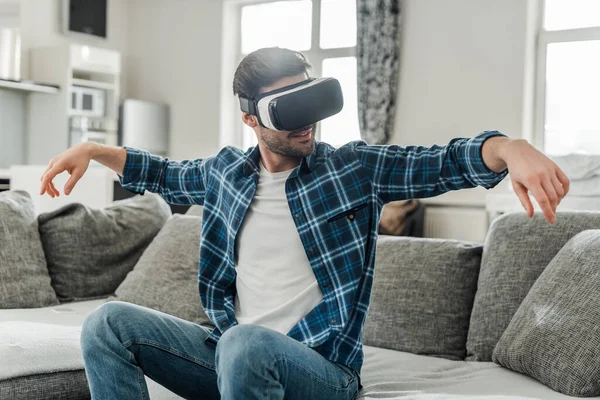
(276, 162)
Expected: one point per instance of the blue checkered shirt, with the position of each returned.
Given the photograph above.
(335, 197)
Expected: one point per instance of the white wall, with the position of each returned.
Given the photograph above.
(174, 56)
(463, 69)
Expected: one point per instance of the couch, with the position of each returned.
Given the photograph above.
(448, 319)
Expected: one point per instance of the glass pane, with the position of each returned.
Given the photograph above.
(571, 14)
(572, 98)
(338, 23)
(283, 24)
(343, 127)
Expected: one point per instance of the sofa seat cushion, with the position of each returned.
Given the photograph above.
(32, 370)
(389, 374)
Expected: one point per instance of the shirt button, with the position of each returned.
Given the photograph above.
(333, 321)
(351, 217)
(325, 284)
(223, 323)
(311, 250)
(297, 215)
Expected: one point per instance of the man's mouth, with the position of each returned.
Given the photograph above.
(302, 132)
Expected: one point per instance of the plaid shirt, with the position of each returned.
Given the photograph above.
(335, 197)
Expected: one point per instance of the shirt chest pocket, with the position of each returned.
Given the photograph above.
(350, 213)
(349, 223)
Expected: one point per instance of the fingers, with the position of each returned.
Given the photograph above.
(49, 175)
(538, 191)
(551, 193)
(558, 187)
(563, 179)
(521, 192)
(54, 189)
(75, 176)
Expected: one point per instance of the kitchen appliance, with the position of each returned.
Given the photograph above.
(90, 129)
(87, 101)
(144, 124)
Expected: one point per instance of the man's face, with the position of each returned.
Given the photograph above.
(298, 143)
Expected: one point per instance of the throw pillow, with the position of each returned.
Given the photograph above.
(516, 251)
(554, 336)
(166, 276)
(422, 296)
(24, 279)
(90, 251)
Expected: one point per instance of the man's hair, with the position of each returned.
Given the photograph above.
(266, 66)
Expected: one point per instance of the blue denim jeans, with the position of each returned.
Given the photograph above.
(122, 342)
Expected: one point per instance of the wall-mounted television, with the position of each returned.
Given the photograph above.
(87, 17)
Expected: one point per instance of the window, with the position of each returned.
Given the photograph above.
(568, 87)
(325, 32)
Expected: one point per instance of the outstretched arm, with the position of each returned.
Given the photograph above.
(484, 160)
(178, 182)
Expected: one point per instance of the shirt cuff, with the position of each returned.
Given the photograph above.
(479, 173)
(135, 171)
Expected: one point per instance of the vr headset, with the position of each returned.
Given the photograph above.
(296, 106)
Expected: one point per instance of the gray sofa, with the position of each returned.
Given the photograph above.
(444, 314)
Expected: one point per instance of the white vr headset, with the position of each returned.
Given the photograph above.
(296, 106)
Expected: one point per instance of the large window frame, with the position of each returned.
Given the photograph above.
(545, 38)
(232, 37)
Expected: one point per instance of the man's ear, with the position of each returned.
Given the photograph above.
(249, 120)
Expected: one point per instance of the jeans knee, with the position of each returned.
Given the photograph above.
(99, 322)
(246, 345)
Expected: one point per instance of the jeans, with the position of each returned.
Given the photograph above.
(122, 342)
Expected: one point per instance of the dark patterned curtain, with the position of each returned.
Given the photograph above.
(378, 51)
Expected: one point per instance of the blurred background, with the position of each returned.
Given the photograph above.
(157, 74)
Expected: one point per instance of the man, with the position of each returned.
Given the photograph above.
(287, 253)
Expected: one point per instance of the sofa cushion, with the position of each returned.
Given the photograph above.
(554, 336)
(422, 296)
(166, 276)
(516, 251)
(389, 374)
(90, 251)
(24, 279)
(195, 211)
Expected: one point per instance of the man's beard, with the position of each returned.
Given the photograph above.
(283, 146)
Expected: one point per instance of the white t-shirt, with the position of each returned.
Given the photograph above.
(275, 284)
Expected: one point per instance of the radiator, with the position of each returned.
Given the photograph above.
(460, 223)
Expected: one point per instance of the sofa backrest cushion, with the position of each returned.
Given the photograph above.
(516, 251)
(24, 279)
(554, 335)
(91, 250)
(422, 296)
(166, 276)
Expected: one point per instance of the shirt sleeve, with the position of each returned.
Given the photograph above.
(417, 172)
(178, 182)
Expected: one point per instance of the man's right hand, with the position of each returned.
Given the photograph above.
(75, 161)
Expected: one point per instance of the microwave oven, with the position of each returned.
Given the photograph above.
(88, 102)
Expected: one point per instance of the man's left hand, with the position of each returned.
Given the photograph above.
(530, 171)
